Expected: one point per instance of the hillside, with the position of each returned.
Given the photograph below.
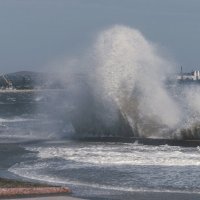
(29, 80)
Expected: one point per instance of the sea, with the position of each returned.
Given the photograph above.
(36, 145)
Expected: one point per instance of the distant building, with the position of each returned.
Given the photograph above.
(193, 76)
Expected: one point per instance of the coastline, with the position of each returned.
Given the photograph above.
(13, 186)
(137, 195)
(10, 183)
(15, 189)
(10, 180)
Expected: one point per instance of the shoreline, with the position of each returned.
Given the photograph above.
(11, 182)
(9, 159)
(11, 188)
(137, 195)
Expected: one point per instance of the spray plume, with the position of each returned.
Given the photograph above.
(120, 88)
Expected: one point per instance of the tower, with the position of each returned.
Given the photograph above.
(181, 73)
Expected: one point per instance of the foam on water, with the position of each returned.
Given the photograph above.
(65, 181)
(138, 167)
(131, 155)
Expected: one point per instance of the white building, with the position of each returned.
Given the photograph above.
(194, 76)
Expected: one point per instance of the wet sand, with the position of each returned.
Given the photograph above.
(14, 185)
(12, 189)
(50, 198)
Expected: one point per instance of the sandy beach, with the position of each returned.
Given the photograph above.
(50, 198)
(12, 189)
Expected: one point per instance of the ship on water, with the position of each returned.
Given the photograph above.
(191, 76)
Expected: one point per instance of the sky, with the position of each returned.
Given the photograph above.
(35, 32)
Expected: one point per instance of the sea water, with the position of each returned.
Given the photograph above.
(94, 170)
(121, 90)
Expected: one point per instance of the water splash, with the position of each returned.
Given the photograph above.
(120, 87)
(132, 73)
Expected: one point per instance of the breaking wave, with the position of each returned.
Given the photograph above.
(138, 167)
(123, 86)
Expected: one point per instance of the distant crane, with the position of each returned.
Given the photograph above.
(8, 82)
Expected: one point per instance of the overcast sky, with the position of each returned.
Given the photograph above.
(34, 32)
